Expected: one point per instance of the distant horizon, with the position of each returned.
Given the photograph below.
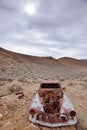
(41, 56)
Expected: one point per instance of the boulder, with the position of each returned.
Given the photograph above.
(15, 88)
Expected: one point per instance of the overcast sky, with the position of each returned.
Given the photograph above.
(54, 28)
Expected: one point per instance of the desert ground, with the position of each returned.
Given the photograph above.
(26, 72)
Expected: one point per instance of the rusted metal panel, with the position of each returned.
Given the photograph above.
(52, 108)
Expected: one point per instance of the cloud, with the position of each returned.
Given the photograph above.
(58, 28)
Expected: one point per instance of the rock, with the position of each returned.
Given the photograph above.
(23, 114)
(15, 88)
(1, 116)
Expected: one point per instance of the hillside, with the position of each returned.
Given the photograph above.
(73, 62)
(26, 72)
(21, 58)
(14, 64)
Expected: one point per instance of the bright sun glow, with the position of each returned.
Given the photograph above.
(30, 9)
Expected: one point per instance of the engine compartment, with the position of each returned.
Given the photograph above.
(51, 100)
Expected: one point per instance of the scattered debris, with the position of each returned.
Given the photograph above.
(2, 95)
(21, 95)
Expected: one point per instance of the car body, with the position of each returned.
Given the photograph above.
(51, 106)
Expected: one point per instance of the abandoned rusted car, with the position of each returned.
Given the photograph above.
(51, 106)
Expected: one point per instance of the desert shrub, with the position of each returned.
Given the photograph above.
(6, 79)
(1, 83)
(20, 61)
(85, 80)
(12, 106)
(70, 84)
(9, 79)
(3, 70)
(62, 79)
(2, 79)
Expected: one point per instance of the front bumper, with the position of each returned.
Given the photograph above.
(70, 122)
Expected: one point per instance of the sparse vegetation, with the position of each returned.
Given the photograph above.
(26, 72)
(12, 106)
(85, 80)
